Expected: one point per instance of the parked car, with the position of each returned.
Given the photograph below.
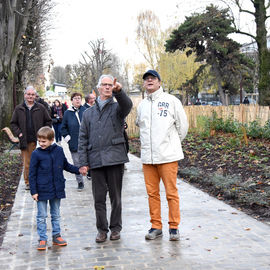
(216, 103)
(237, 101)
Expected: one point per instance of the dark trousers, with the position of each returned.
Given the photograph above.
(106, 179)
(57, 131)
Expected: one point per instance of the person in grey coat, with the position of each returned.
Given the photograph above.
(102, 148)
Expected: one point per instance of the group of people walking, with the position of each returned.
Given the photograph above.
(97, 143)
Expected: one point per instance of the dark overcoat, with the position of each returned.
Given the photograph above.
(71, 126)
(101, 138)
(40, 118)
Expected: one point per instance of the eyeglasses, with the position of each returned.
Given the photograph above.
(107, 84)
(77, 98)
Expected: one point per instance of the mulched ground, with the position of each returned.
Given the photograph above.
(10, 172)
(225, 167)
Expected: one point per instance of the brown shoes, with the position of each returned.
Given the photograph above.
(101, 237)
(115, 235)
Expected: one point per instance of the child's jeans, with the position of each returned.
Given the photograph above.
(42, 215)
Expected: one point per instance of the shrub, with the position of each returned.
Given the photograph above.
(254, 129)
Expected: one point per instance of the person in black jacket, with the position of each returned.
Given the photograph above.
(89, 100)
(57, 113)
(27, 119)
(43, 102)
(246, 101)
(102, 148)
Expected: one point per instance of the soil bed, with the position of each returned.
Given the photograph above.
(10, 172)
(226, 168)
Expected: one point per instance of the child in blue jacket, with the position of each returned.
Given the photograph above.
(47, 183)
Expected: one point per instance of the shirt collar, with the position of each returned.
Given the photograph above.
(153, 96)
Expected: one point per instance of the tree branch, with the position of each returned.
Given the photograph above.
(19, 13)
(244, 10)
(245, 33)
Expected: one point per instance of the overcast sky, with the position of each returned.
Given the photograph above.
(76, 22)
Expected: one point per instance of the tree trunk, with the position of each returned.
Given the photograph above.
(6, 98)
(12, 26)
(219, 83)
(264, 55)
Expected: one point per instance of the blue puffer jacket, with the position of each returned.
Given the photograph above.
(46, 172)
(71, 126)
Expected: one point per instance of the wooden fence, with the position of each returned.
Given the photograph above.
(241, 113)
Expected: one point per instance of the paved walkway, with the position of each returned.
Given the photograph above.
(213, 234)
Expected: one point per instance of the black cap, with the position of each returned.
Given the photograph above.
(151, 72)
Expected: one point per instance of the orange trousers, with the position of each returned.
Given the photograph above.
(152, 175)
(26, 155)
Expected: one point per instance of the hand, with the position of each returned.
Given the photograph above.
(116, 86)
(83, 170)
(20, 135)
(35, 197)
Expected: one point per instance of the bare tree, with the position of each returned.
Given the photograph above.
(97, 61)
(149, 39)
(29, 67)
(22, 46)
(78, 78)
(84, 76)
(58, 75)
(260, 13)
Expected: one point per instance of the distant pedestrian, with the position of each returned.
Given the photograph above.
(43, 102)
(47, 184)
(70, 130)
(89, 100)
(246, 101)
(163, 126)
(27, 119)
(57, 113)
(198, 102)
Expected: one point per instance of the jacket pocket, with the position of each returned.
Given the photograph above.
(118, 140)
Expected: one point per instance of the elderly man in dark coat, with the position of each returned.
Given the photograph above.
(27, 119)
(102, 148)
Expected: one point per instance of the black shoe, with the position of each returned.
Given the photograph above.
(101, 237)
(115, 235)
(80, 186)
